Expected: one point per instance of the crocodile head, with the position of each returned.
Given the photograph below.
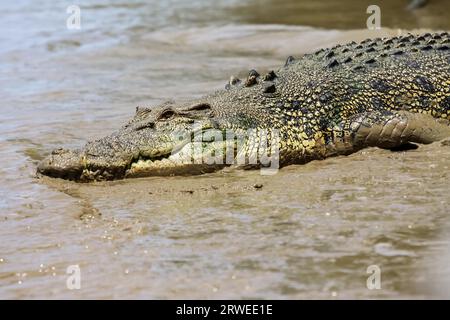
(191, 138)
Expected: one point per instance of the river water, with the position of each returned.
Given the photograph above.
(311, 231)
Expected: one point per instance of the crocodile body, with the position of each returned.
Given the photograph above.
(381, 92)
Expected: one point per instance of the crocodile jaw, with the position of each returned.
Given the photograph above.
(189, 157)
(76, 165)
(63, 164)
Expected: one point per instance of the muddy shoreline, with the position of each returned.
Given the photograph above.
(310, 231)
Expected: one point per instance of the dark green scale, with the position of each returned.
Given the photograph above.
(380, 92)
(331, 98)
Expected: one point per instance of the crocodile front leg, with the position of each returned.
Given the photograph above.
(384, 129)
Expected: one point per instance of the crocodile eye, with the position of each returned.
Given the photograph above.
(166, 114)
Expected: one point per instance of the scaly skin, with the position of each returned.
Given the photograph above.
(381, 92)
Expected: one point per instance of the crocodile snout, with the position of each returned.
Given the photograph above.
(62, 163)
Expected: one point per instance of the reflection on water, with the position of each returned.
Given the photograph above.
(346, 14)
(311, 231)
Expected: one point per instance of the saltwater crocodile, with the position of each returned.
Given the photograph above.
(385, 93)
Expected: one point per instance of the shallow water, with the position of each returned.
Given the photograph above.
(310, 232)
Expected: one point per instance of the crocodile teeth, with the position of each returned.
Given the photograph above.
(141, 163)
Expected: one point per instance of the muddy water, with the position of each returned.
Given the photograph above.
(310, 231)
